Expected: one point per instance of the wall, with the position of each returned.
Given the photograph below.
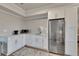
(33, 25)
(8, 23)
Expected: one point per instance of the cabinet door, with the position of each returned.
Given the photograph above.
(33, 41)
(38, 42)
(51, 14)
(59, 13)
(28, 40)
(19, 42)
(11, 45)
(56, 13)
(24, 39)
(45, 43)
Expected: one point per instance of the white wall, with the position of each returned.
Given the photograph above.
(33, 25)
(8, 23)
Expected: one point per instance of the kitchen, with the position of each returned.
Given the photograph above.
(36, 23)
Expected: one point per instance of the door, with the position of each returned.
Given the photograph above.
(56, 35)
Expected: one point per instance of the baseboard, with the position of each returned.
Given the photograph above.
(45, 50)
(36, 48)
(39, 49)
(57, 53)
(15, 51)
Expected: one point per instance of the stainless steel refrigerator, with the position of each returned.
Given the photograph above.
(56, 41)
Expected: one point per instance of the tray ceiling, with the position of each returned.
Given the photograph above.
(30, 6)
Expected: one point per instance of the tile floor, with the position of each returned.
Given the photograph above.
(32, 52)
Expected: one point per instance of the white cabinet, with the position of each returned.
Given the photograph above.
(38, 42)
(51, 14)
(41, 42)
(22, 38)
(56, 13)
(34, 41)
(14, 43)
(28, 40)
(19, 42)
(11, 45)
(60, 13)
(45, 43)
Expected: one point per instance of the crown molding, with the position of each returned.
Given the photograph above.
(13, 8)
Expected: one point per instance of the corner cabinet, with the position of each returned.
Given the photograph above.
(14, 43)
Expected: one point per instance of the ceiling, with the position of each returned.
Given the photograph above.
(30, 6)
(28, 9)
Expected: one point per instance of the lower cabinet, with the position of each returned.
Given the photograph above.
(34, 41)
(16, 42)
(45, 43)
(11, 46)
(37, 41)
(28, 40)
(19, 42)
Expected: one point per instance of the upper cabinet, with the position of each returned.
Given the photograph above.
(56, 13)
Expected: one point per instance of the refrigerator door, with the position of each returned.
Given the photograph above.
(56, 36)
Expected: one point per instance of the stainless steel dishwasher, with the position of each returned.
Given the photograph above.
(56, 36)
